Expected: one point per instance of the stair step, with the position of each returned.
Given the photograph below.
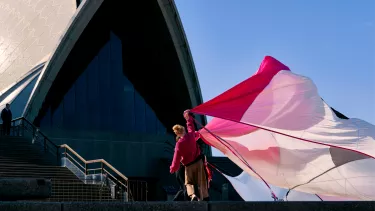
(46, 163)
(27, 162)
(10, 165)
(32, 149)
(35, 160)
(20, 158)
(25, 157)
(39, 172)
(34, 176)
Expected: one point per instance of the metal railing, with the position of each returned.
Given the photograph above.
(81, 190)
(88, 168)
(20, 125)
(101, 166)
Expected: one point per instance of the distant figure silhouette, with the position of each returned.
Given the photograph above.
(6, 116)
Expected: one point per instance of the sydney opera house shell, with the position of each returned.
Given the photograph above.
(109, 78)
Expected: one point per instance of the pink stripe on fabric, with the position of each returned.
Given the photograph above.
(242, 95)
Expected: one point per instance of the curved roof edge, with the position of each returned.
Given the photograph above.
(18, 87)
(78, 22)
(173, 21)
(30, 74)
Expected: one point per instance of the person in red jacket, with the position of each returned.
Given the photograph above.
(188, 153)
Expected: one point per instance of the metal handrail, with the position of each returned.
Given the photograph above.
(103, 163)
(35, 133)
(67, 148)
(94, 161)
(34, 127)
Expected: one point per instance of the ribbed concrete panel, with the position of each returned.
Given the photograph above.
(29, 30)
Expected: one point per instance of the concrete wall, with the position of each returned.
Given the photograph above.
(189, 206)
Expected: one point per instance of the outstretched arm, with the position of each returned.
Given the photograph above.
(176, 161)
(190, 125)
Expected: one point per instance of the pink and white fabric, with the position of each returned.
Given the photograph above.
(276, 122)
(251, 189)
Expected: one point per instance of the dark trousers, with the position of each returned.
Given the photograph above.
(6, 128)
(181, 194)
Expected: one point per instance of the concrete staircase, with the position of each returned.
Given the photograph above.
(20, 158)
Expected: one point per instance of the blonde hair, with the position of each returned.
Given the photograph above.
(179, 129)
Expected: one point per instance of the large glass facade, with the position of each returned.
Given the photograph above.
(18, 97)
(19, 103)
(103, 99)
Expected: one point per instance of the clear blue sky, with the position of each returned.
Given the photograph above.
(330, 41)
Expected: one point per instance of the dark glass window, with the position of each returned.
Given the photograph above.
(78, 2)
(102, 98)
(19, 103)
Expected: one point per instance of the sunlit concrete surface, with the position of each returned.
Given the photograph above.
(29, 30)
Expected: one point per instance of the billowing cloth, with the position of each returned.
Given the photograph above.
(252, 189)
(276, 124)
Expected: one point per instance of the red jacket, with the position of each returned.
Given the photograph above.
(186, 150)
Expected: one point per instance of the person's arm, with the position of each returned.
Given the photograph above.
(2, 114)
(197, 135)
(190, 125)
(176, 161)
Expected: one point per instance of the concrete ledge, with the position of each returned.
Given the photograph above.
(292, 206)
(140, 206)
(24, 188)
(30, 206)
(190, 206)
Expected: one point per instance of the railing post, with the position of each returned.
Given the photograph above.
(45, 145)
(57, 154)
(127, 190)
(146, 190)
(22, 128)
(12, 128)
(101, 168)
(18, 131)
(85, 168)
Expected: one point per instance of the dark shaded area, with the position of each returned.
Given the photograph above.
(150, 61)
(139, 186)
(338, 114)
(103, 99)
(182, 193)
(343, 156)
(13, 189)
